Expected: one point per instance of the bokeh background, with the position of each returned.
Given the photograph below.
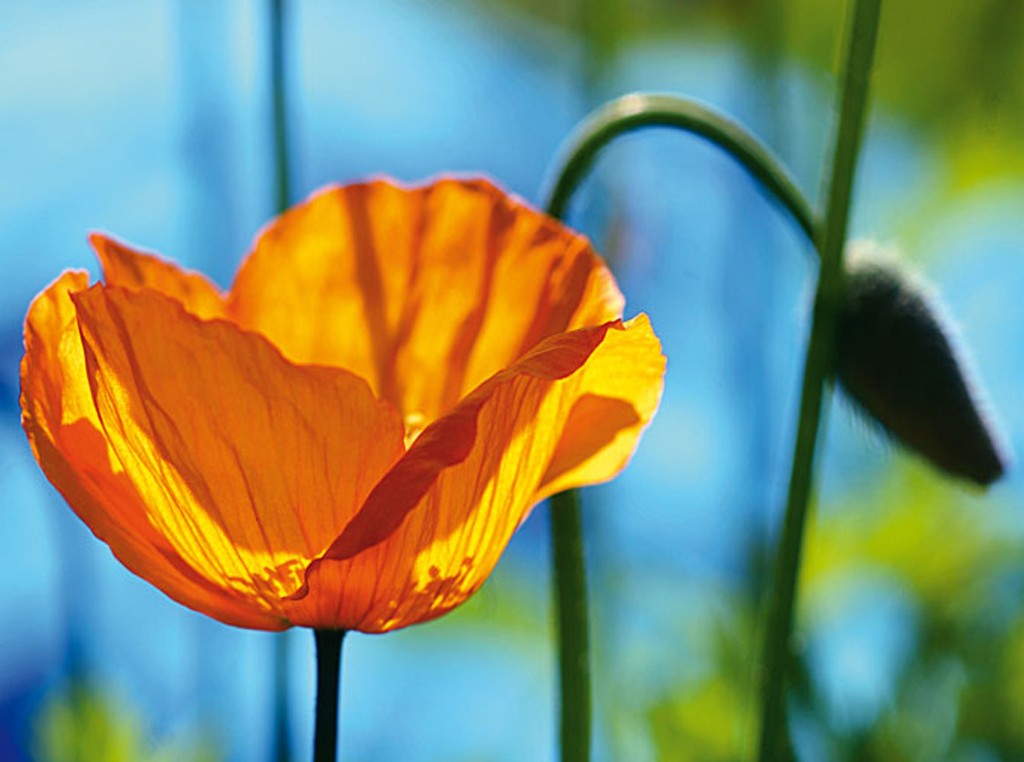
(151, 119)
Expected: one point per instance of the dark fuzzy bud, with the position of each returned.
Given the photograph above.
(897, 358)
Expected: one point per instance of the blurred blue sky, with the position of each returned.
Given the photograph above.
(149, 119)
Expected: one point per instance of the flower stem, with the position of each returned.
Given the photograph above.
(328, 677)
(570, 596)
(774, 738)
(282, 715)
(626, 114)
(643, 110)
(282, 193)
(279, 107)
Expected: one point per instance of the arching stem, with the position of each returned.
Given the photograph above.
(638, 111)
(627, 114)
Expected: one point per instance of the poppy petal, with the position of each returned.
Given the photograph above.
(134, 269)
(248, 464)
(619, 393)
(433, 529)
(394, 283)
(64, 432)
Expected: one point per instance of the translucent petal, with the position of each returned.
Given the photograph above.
(134, 269)
(67, 439)
(433, 529)
(246, 463)
(425, 292)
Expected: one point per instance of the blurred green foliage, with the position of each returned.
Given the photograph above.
(714, 719)
(955, 696)
(83, 724)
(953, 69)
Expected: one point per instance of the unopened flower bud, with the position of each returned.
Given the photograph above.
(897, 358)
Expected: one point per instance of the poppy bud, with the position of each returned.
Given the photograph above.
(896, 358)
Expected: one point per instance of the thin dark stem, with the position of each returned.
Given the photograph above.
(279, 119)
(328, 678)
(282, 194)
(774, 739)
(282, 714)
(570, 596)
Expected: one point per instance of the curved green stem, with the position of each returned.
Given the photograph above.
(626, 114)
(639, 111)
(643, 110)
(774, 738)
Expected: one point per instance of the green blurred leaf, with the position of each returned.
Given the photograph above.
(81, 724)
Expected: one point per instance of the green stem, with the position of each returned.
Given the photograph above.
(282, 193)
(570, 597)
(626, 114)
(282, 715)
(774, 738)
(328, 678)
(279, 112)
(643, 110)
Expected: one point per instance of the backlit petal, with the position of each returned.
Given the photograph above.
(134, 269)
(433, 529)
(425, 292)
(248, 464)
(349, 437)
(619, 391)
(65, 434)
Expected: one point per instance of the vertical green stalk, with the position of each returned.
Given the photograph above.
(282, 714)
(279, 110)
(569, 594)
(570, 597)
(328, 679)
(282, 197)
(860, 47)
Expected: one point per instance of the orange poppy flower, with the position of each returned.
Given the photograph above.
(347, 438)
